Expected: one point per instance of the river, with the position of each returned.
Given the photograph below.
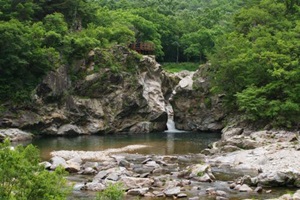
(161, 143)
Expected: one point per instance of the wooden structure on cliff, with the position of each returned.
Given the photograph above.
(145, 48)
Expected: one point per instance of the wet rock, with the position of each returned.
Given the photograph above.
(276, 178)
(158, 183)
(172, 191)
(221, 193)
(194, 198)
(147, 160)
(132, 182)
(207, 151)
(258, 189)
(286, 197)
(88, 171)
(204, 178)
(124, 163)
(46, 164)
(221, 198)
(113, 176)
(138, 191)
(181, 195)
(237, 187)
(158, 193)
(199, 169)
(245, 188)
(228, 133)
(152, 164)
(56, 162)
(14, 134)
(232, 185)
(210, 191)
(143, 170)
(296, 195)
(101, 175)
(72, 167)
(229, 148)
(69, 129)
(94, 186)
(149, 195)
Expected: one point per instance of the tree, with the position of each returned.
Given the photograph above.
(21, 176)
(257, 65)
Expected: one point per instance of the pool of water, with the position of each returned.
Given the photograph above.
(162, 143)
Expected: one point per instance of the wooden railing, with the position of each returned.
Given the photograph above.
(143, 47)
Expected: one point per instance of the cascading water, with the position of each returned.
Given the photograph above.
(185, 82)
(170, 123)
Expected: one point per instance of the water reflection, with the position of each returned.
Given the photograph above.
(170, 143)
(159, 143)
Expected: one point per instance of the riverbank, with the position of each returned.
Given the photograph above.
(261, 171)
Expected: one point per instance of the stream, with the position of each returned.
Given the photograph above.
(161, 143)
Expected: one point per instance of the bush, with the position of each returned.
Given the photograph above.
(22, 178)
(112, 192)
(177, 67)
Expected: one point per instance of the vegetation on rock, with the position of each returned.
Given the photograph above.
(252, 45)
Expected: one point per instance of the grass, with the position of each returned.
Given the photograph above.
(177, 67)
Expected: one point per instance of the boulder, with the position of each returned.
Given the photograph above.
(138, 191)
(296, 195)
(46, 164)
(14, 134)
(94, 186)
(69, 129)
(172, 191)
(245, 188)
(56, 162)
(132, 182)
(228, 133)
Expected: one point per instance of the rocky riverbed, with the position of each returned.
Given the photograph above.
(226, 171)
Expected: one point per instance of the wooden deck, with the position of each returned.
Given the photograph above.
(145, 48)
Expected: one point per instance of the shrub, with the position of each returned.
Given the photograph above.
(21, 176)
(112, 192)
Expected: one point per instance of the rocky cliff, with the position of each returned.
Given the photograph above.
(195, 108)
(122, 92)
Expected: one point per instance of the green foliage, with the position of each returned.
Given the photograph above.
(21, 176)
(177, 67)
(112, 192)
(257, 65)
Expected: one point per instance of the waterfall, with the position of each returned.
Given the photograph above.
(186, 82)
(170, 123)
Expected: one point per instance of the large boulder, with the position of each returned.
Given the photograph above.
(14, 134)
(69, 129)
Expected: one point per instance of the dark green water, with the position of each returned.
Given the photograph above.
(163, 143)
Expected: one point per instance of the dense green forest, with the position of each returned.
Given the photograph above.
(253, 45)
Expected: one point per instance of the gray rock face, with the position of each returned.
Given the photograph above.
(130, 100)
(194, 107)
(54, 85)
(69, 129)
(14, 135)
(102, 101)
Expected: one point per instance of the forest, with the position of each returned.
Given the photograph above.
(253, 45)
